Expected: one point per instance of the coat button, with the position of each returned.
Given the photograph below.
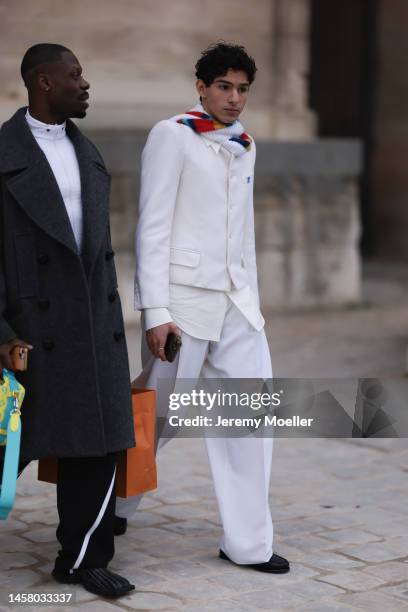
(113, 295)
(48, 345)
(109, 255)
(44, 304)
(43, 258)
(118, 335)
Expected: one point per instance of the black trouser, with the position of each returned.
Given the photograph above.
(86, 511)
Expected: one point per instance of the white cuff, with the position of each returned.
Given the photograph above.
(156, 316)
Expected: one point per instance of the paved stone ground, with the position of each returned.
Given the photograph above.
(340, 506)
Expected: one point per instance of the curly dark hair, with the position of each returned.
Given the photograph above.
(217, 59)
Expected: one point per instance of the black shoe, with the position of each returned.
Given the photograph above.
(120, 525)
(275, 565)
(98, 580)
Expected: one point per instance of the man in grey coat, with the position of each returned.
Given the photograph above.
(59, 299)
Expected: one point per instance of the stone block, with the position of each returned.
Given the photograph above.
(327, 605)
(350, 536)
(278, 598)
(398, 590)
(293, 17)
(195, 590)
(178, 569)
(374, 552)
(374, 601)
(10, 560)
(332, 561)
(353, 580)
(394, 571)
(19, 579)
(45, 534)
(218, 605)
(288, 126)
(192, 527)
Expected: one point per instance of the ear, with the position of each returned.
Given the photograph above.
(43, 82)
(201, 88)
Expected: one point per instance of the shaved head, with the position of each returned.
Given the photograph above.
(37, 55)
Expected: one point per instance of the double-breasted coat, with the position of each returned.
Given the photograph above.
(64, 303)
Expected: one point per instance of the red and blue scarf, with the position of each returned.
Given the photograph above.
(231, 136)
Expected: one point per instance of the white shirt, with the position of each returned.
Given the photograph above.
(195, 226)
(61, 156)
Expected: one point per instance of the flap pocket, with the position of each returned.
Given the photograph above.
(185, 257)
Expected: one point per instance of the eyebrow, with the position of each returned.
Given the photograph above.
(229, 82)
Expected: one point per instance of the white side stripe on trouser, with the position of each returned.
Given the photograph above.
(94, 526)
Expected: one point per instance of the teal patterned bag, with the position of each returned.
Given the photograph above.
(11, 399)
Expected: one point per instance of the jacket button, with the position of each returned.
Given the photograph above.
(109, 255)
(48, 345)
(118, 335)
(113, 295)
(44, 304)
(43, 258)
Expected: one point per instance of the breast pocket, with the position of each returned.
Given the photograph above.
(25, 253)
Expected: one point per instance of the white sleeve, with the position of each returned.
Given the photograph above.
(156, 316)
(162, 164)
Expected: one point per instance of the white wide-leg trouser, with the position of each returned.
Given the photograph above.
(241, 467)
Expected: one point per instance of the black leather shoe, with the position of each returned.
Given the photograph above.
(275, 565)
(120, 525)
(98, 580)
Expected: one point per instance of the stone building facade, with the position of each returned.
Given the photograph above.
(139, 58)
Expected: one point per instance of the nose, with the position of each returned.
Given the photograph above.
(234, 96)
(84, 85)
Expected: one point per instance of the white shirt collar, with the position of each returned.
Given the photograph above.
(210, 143)
(45, 130)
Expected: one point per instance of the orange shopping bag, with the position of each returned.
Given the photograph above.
(136, 467)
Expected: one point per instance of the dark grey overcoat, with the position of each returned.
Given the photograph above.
(66, 304)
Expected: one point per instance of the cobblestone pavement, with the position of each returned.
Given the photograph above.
(340, 506)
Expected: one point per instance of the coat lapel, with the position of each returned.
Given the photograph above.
(30, 180)
(95, 189)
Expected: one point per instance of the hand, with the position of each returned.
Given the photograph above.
(156, 338)
(5, 353)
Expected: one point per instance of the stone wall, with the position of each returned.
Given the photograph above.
(307, 223)
(139, 56)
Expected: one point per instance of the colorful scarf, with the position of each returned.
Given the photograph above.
(231, 136)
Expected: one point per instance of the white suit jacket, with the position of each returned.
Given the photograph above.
(196, 221)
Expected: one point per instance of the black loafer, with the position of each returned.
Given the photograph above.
(120, 525)
(275, 565)
(98, 580)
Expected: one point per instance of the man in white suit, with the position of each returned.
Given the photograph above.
(196, 276)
